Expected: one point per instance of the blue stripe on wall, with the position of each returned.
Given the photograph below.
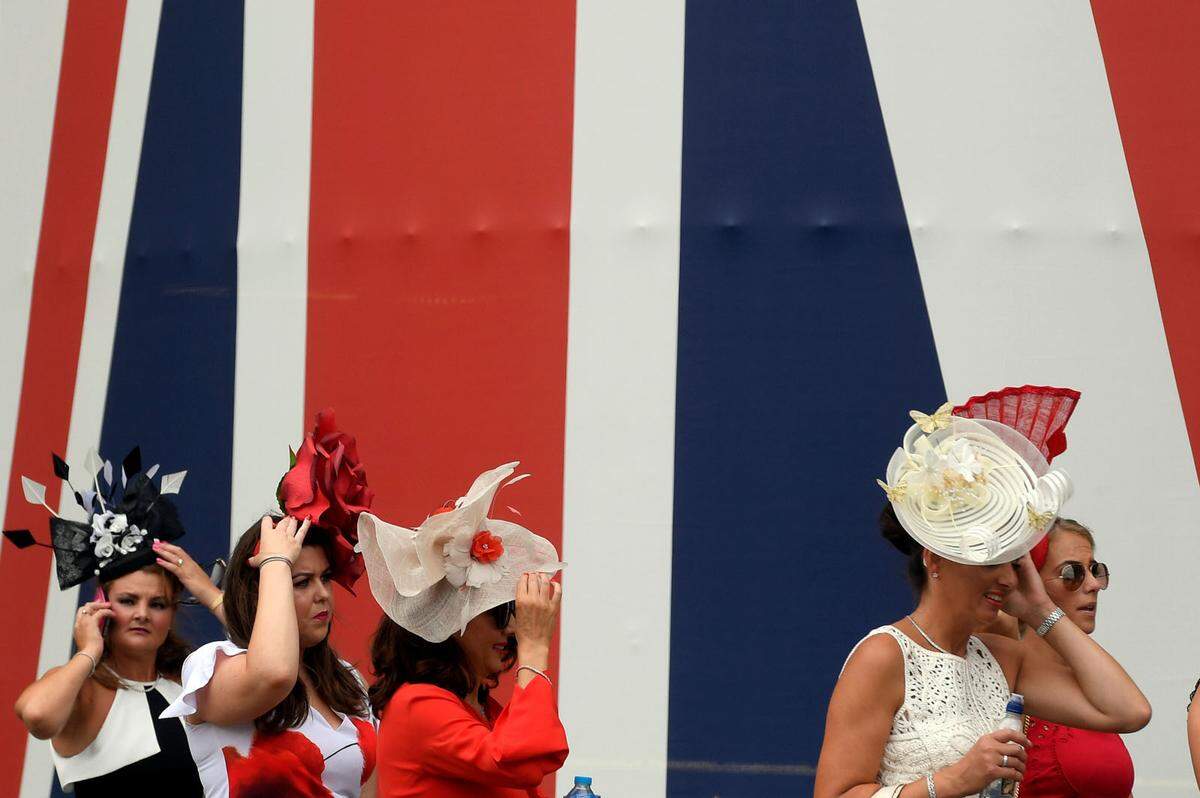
(171, 385)
(803, 341)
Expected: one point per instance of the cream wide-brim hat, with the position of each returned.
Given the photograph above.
(409, 569)
(974, 491)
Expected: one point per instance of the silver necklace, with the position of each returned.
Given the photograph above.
(928, 639)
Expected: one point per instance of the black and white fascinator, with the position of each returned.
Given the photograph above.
(124, 513)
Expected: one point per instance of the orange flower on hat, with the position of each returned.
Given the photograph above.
(486, 547)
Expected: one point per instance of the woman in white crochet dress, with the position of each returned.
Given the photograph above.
(916, 708)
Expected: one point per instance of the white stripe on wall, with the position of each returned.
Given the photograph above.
(620, 430)
(31, 41)
(272, 251)
(99, 324)
(1035, 270)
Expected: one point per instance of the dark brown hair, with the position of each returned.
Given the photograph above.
(399, 657)
(333, 680)
(893, 532)
(168, 660)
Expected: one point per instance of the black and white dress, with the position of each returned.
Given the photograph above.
(135, 753)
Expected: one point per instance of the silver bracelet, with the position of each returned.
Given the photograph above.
(532, 669)
(93, 659)
(275, 558)
(1051, 619)
(929, 785)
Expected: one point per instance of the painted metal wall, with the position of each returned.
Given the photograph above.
(691, 261)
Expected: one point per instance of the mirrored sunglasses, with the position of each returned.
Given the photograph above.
(1072, 574)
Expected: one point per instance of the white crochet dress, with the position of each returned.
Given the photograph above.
(949, 703)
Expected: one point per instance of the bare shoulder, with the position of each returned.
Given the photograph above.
(878, 659)
(871, 684)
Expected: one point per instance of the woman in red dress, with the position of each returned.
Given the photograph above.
(1066, 762)
(466, 598)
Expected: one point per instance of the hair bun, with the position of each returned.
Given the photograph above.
(893, 532)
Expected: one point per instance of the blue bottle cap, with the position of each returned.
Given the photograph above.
(1016, 704)
(583, 781)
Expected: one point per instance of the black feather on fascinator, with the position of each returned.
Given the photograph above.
(124, 517)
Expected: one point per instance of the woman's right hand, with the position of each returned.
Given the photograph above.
(284, 539)
(88, 621)
(985, 762)
(538, 600)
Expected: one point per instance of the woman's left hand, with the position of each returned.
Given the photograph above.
(1028, 601)
(189, 572)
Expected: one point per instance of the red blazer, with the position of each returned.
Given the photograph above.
(432, 744)
(1070, 763)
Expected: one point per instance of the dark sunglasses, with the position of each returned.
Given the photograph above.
(1072, 574)
(503, 613)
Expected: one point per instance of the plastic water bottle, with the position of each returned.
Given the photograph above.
(583, 787)
(1012, 720)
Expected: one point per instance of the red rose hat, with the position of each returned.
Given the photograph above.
(328, 483)
(458, 563)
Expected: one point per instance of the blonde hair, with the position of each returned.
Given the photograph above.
(1074, 527)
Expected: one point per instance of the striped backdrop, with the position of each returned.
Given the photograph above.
(691, 261)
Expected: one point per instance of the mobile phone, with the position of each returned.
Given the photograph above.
(101, 597)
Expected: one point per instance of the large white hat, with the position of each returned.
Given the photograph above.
(974, 491)
(458, 563)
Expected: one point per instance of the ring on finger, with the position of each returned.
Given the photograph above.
(179, 561)
(1004, 761)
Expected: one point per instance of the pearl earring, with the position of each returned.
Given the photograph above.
(934, 574)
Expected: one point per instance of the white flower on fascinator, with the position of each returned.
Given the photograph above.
(104, 548)
(104, 526)
(962, 460)
(928, 467)
(131, 540)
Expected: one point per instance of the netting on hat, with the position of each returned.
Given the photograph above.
(1040, 413)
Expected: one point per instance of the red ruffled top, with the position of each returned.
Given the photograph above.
(1071, 763)
(432, 744)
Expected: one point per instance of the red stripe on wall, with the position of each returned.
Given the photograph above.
(438, 251)
(1152, 60)
(87, 80)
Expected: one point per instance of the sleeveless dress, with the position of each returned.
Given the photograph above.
(1071, 763)
(949, 703)
(134, 750)
(314, 760)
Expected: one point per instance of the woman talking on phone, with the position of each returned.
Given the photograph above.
(100, 709)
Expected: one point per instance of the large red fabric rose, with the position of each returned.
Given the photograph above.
(328, 482)
(287, 763)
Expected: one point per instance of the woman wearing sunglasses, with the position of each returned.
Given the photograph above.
(466, 599)
(1066, 761)
(917, 708)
